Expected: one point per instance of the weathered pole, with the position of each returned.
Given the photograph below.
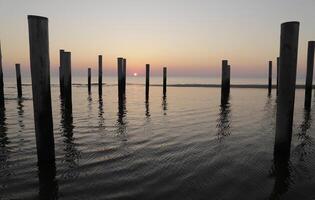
(124, 70)
(225, 79)
(18, 80)
(67, 82)
(309, 75)
(89, 80)
(270, 77)
(120, 76)
(229, 77)
(61, 72)
(100, 74)
(147, 81)
(278, 72)
(1, 83)
(164, 80)
(285, 107)
(39, 59)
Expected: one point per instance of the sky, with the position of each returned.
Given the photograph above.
(190, 37)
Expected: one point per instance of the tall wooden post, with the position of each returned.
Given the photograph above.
(39, 57)
(278, 72)
(285, 107)
(164, 80)
(225, 80)
(120, 76)
(270, 77)
(100, 74)
(67, 82)
(309, 75)
(89, 80)
(61, 72)
(1, 83)
(18, 80)
(124, 70)
(147, 81)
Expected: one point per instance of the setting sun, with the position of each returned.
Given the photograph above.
(135, 74)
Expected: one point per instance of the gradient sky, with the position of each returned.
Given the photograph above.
(190, 37)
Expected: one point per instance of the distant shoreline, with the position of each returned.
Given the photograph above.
(257, 86)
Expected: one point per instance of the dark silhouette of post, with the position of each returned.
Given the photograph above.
(225, 80)
(18, 80)
(89, 80)
(164, 80)
(1, 83)
(229, 77)
(270, 77)
(120, 76)
(147, 80)
(39, 59)
(278, 72)
(61, 72)
(285, 107)
(124, 70)
(67, 82)
(100, 74)
(309, 75)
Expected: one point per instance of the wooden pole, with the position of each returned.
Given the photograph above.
(225, 80)
(39, 58)
(147, 81)
(278, 72)
(120, 77)
(229, 78)
(89, 80)
(100, 74)
(18, 80)
(164, 80)
(309, 75)
(270, 77)
(124, 70)
(285, 107)
(61, 72)
(67, 82)
(1, 83)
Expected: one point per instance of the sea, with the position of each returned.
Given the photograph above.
(186, 145)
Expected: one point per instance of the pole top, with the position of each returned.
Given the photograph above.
(37, 17)
(309, 42)
(290, 23)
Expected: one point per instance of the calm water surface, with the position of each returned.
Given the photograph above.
(184, 146)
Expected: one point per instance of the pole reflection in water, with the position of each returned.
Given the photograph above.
(223, 122)
(4, 151)
(121, 121)
(147, 109)
(20, 114)
(89, 105)
(304, 148)
(101, 112)
(48, 185)
(164, 104)
(281, 170)
(72, 155)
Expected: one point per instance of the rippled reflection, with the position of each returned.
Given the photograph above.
(72, 155)
(20, 114)
(281, 170)
(101, 112)
(223, 122)
(4, 151)
(304, 148)
(48, 185)
(121, 120)
(147, 110)
(164, 104)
